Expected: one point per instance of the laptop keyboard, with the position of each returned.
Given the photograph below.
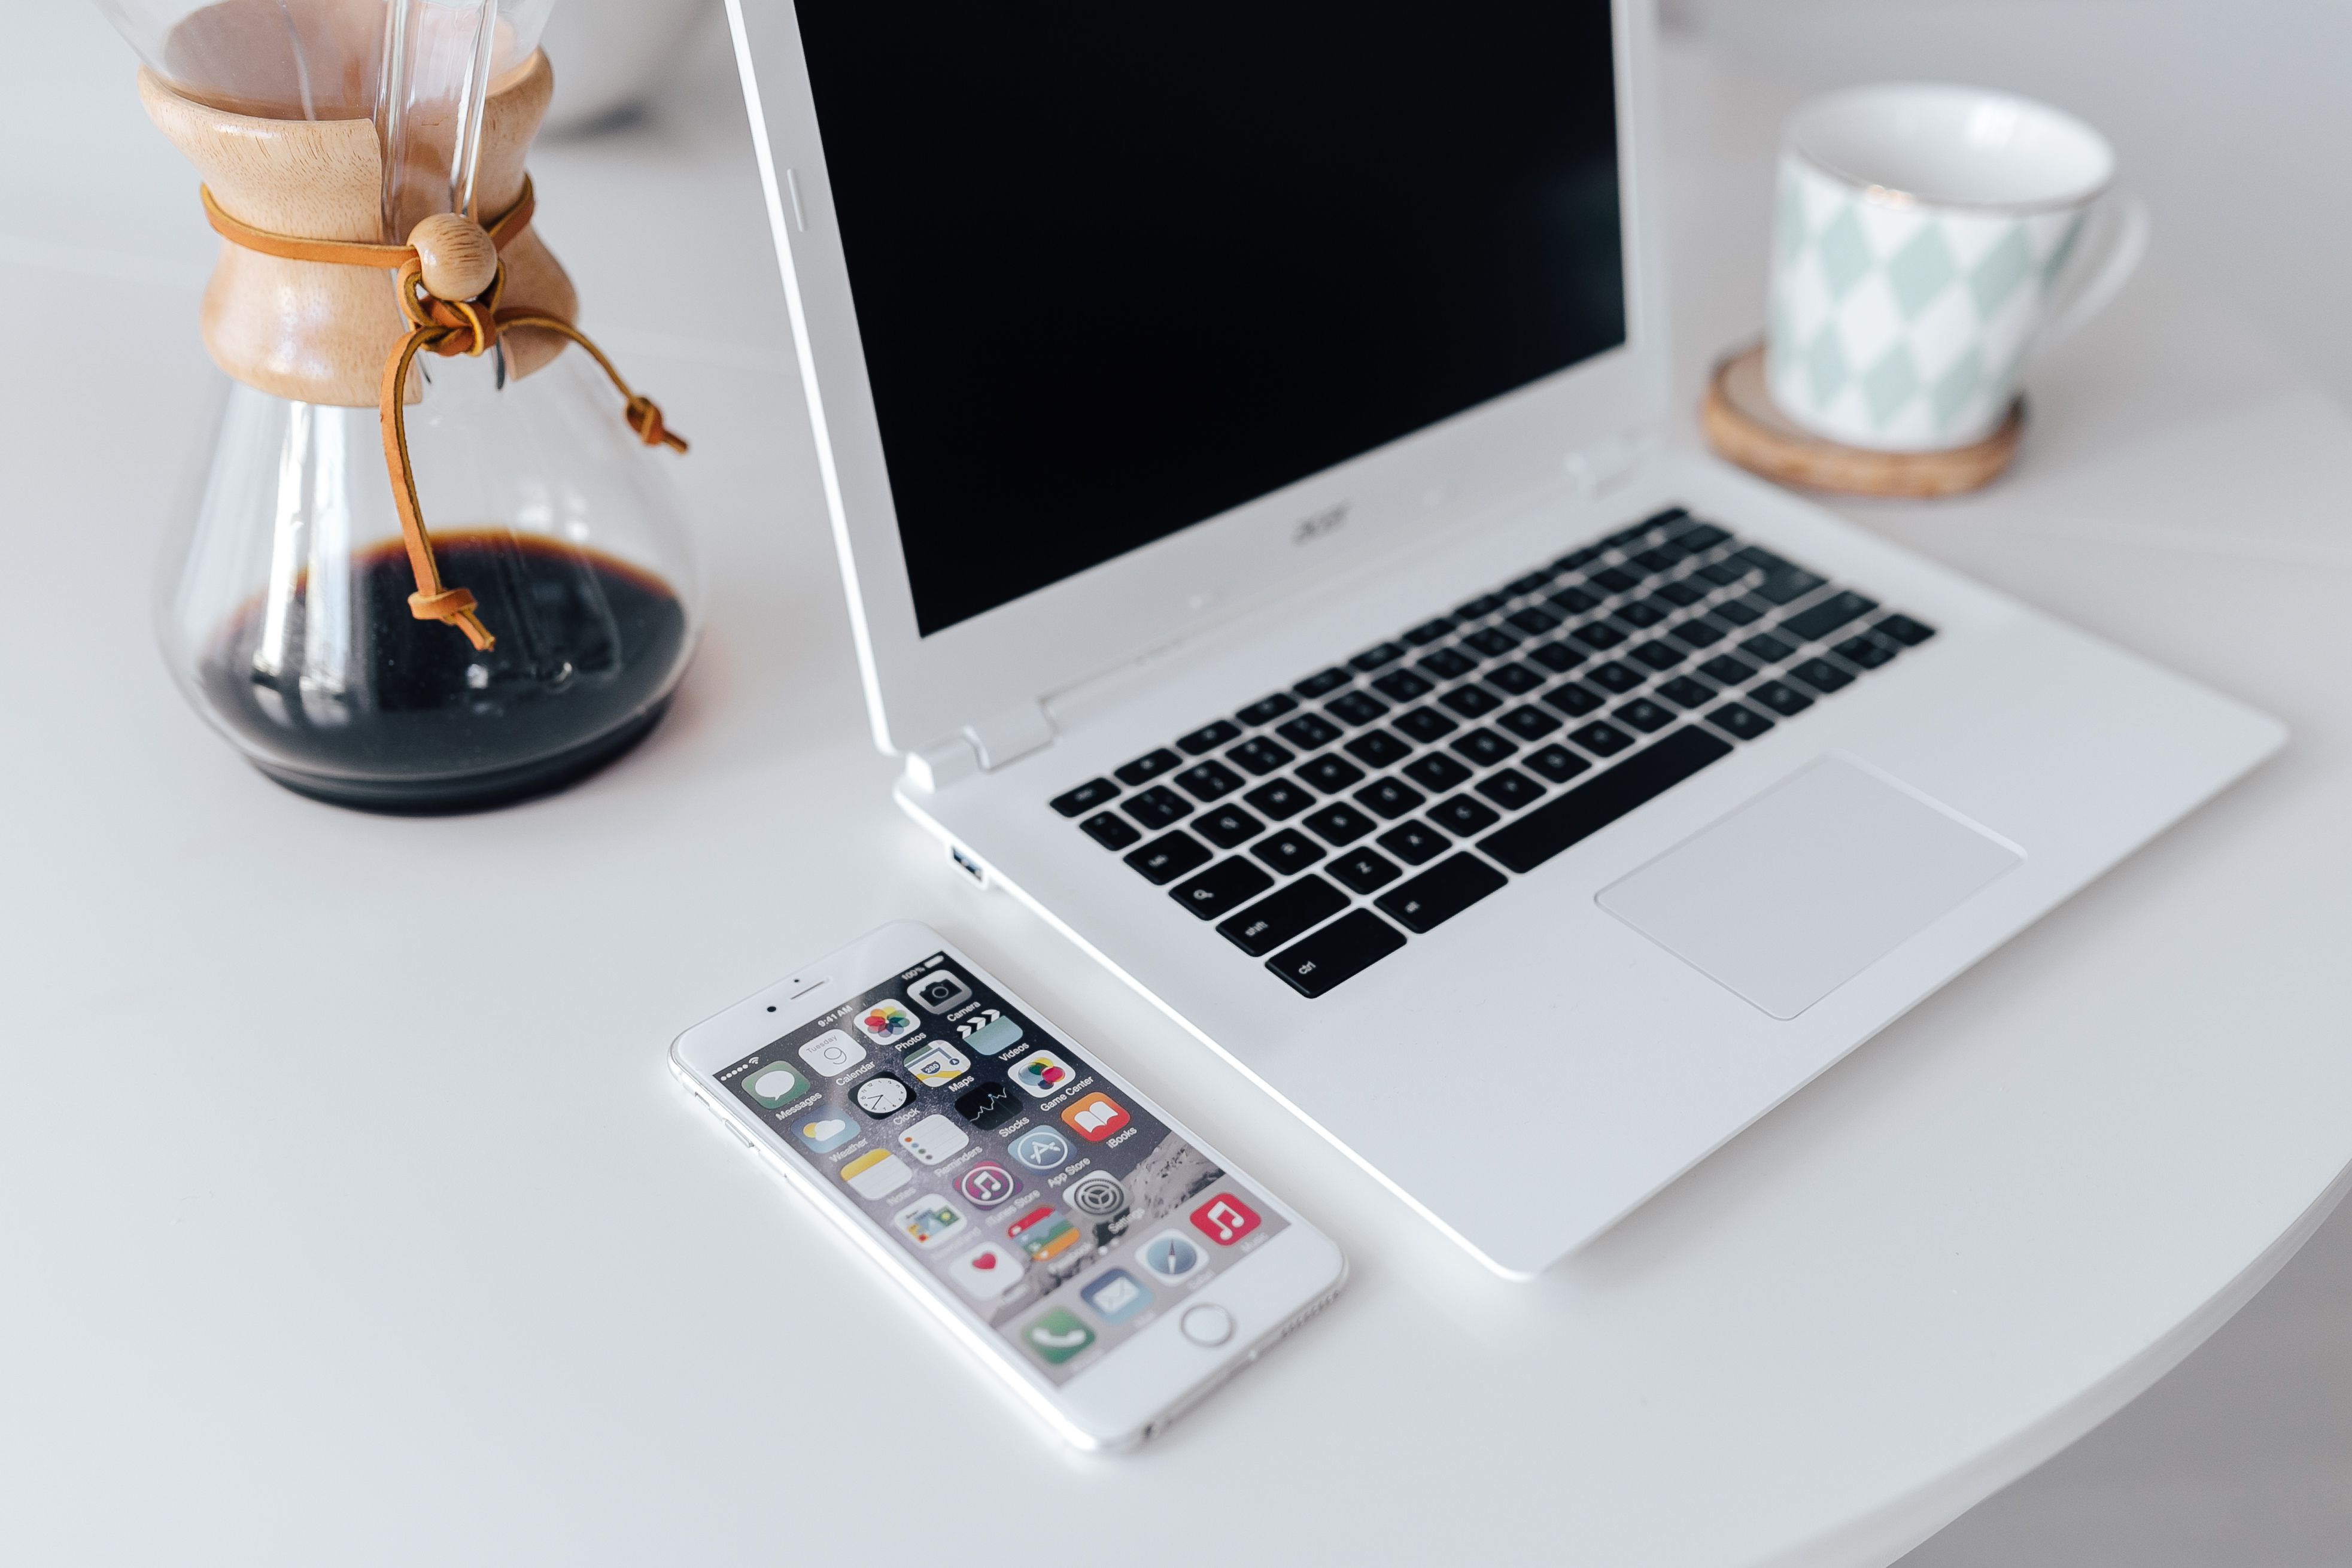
(1321, 827)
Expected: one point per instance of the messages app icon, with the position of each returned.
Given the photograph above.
(774, 1085)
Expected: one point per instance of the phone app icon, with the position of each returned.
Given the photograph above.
(1044, 1232)
(990, 1032)
(940, 992)
(1057, 1336)
(933, 1139)
(774, 1085)
(1041, 1073)
(1041, 1149)
(886, 1023)
(882, 1095)
(1116, 1296)
(1225, 1219)
(938, 1064)
(1098, 1192)
(1172, 1256)
(987, 1271)
(823, 1129)
(1096, 1117)
(987, 1183)
(876, 1173)
(832, 1053)
(988, 1106)
(931, 1221)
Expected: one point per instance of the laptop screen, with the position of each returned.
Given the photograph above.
(1119, 269)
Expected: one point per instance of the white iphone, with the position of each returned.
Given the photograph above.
(1104, 1262)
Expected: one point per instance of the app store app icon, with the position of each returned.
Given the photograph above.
(1041, 1149)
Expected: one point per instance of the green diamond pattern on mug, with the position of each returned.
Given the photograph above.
(1900, 326)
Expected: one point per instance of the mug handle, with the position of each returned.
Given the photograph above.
(2091, 284)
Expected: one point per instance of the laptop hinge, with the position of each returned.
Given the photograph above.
(982, 747)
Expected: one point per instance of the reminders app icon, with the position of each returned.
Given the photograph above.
(933, 1139)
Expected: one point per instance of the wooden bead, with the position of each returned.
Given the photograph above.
(457, 255)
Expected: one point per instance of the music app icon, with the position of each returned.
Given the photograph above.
(1225, 1219)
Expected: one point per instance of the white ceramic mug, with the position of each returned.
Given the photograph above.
(1929, 239)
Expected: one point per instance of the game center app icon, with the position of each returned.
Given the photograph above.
(1096, 1117)
(934, 1139)
(886, 1023)
(931, 1221)
(1225, 1219)
(938, 1063)
(1041, 1073)
(774, 1085)
(987, 1183)
(1057, 1336)
(832, 1053)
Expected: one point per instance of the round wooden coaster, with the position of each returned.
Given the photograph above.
(1742, 424)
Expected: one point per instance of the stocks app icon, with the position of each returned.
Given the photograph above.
(987, 1184)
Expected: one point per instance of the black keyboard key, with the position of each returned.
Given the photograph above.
(1227, 826)
(1556, 763)
(1763, 560)
(1616, 677)
(1222, 889)
(1331, 774)
(1640, 614)
(1576, 559)
(1157, 807)
(1788, 587)
(1372, 659)
(1148, 767)
(1364, 869)
(1600, 636)
(1260, 755)
(1558, 657)
(1110, 830)
(1510, 789)
(1415, 843)
(1699, 632)
(1322, 684)
(1484, 605)
(1739, 721)
(1268, 923)
(1494, 642)
(1532, 621)
(1378, 749)
(1482, 747)
(1821, 674)
(1391, 798)
(1785, 700)
(1338, 823)
(1660, 656)
(1818, 621)
(1515, 678)
(1357, 708)
(1567, 819)
(1684, 692)
(1307, 732)
(1766, 648)
(1471, 701)
(1724, 574)
(1572, 700)
(1209, 781)
(1463, 816)
(1730, 671)
(1528, 723)
(1705, 536)
(1209, 737)
(1682, 593)
(1573, 600)
(1602, 740)
(1168, 856)
(1436, 772)
(1339, 952)
(1442, 891)
(1613, 580)
(1644, 715)
(1867, 652)
(1287, 852)
(1425, 724)
(1739, 612)
(1658, 557)
(1402, 685)
(1518, 587)
(1905, 630)
(1449, 664)
(1266, 709)
(1429, 632)
(1086, 798)
(1280, 799)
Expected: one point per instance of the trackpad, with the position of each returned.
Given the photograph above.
(1808, 884)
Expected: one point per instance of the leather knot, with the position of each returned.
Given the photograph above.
(645, 417)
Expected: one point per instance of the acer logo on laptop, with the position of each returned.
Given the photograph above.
(1319, 525)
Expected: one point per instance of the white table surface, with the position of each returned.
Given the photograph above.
(301, 1264)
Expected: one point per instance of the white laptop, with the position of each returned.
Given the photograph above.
(1240, 431)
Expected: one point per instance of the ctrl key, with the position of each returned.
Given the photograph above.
(1339, 952)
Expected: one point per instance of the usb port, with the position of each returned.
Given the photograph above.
(967, 865)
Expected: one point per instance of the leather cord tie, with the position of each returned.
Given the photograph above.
(447, 327)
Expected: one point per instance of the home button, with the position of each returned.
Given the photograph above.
(1208, 1325)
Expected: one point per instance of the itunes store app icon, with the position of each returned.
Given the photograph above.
(987, 1184)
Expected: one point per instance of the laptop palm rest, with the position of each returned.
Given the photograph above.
(1808, 884)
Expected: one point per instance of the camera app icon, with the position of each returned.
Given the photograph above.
(940, 992)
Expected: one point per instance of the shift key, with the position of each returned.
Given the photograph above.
(1440, 893)
(1269, 922)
